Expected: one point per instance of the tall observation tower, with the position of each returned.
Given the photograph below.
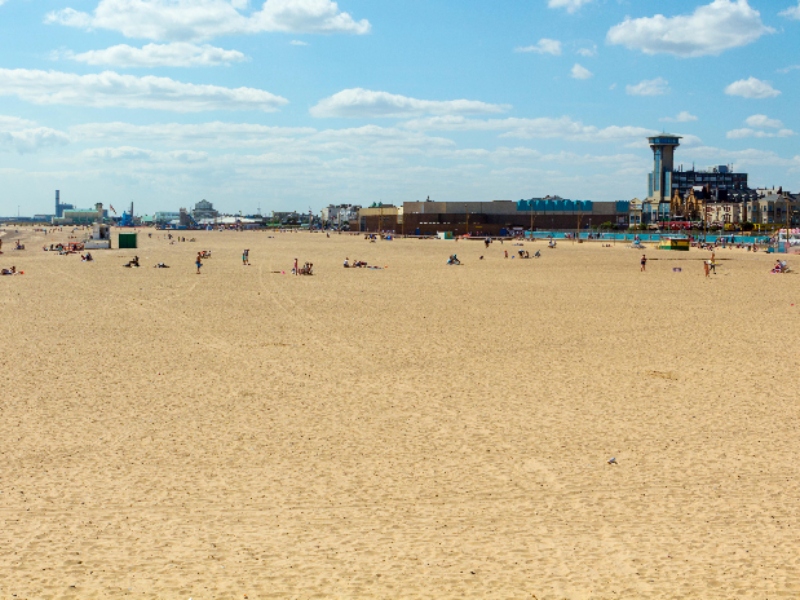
(659, 182)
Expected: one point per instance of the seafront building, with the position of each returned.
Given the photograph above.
(204, 210)
(339, 216)
(717, 196)
(493, 217)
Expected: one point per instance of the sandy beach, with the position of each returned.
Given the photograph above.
(415, 431)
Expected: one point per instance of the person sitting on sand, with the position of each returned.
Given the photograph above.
(537, 255)
(780, 267)
(346, 263)
(453, 260)
(551, 243)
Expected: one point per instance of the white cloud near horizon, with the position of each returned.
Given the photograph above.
(175, 54)
(110, 89)
(27, 136)
(763, 121)
(196, 20)
(571, 6)
(747, 157)
(588, 52)
(793, 12)
(682, 117)
(543, 46)
(649, 87)
(751, 88)
(536, 128)
(214, 133)
(580, 72)
(709, 30)
(31, 140)
(298, 43)
(747, 132)
(133, 153)
(759, 126)
(361, 103)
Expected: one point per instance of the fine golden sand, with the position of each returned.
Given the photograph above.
(417, 431)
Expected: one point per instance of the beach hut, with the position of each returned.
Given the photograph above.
(127, 240)
(671, 243)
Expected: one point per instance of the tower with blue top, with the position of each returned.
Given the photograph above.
(659, 182)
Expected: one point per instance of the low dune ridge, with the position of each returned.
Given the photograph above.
(419, 430)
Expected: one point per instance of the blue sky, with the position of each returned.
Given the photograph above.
(295, 104)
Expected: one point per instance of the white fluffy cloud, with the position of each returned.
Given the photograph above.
(747, 132)
(793, 12)
(214, 134)
(361, 103)
(571, 6)
(588, 52)
(128, 153)
(192, 20)
(761, 126)
(709, 30)
(538, 128)
(763, 121)
(580, 72)
(751, 88)
(26, 136)
(110, 89)
(31, 140)
(649, 87)
(682, 117)
(543, 46)
(176, 54)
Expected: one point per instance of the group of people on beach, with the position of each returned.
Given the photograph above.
(306, 269)
(356, 264)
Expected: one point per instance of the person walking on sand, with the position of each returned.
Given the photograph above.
(706, 267)
(246, 257)
(643, 262)
(198, 262)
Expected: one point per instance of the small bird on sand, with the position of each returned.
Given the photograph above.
(613, 460)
